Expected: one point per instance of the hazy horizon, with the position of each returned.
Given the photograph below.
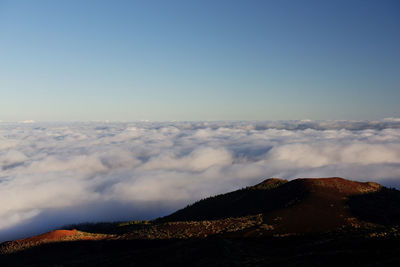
(388, 119)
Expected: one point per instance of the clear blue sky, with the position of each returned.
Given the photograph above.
(199, 60)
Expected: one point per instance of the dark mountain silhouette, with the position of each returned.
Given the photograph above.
(300, 222)
(380, 207)
(251, 200)
(301, 205)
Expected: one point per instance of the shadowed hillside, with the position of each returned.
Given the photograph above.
(381, 207)
(301, 205)
(263, 197)
(315, 219)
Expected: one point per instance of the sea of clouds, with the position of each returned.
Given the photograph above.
(53, 174)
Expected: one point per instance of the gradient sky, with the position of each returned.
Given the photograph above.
(199, 60)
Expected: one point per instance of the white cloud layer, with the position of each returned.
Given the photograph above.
(56, 174)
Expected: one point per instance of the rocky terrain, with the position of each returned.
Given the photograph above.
(298, 222)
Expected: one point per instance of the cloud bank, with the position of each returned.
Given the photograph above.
(52, 174)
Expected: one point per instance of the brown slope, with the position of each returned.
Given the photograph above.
(49, 237)
(301, 205)
(261, 198)
(324, 208)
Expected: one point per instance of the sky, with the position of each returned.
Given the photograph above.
(199, 60)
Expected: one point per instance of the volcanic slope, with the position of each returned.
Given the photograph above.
(274, 206)
(256, 225)
(302, 205)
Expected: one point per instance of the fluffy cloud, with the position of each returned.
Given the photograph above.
(56, 174)
(198, 160)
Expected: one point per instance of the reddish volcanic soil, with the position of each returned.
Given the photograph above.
(272, 207)
(324, 208)
(338, 185)
(302, 222)
(52, 236)
(62, 235)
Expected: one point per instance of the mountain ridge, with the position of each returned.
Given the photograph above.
(272, 194)
(310, 208)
